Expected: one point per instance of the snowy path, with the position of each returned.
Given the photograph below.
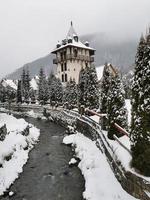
(100, 181)
(47, 175)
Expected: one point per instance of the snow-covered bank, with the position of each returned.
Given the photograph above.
(14, 149)
(100, 182)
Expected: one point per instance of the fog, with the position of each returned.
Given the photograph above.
(30, 29)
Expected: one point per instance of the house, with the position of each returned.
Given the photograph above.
(71, 56)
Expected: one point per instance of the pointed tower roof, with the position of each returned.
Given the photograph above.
(71, 32)
(72, 39)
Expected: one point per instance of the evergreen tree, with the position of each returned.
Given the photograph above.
(55, 88)
(105, 86)
(2, 94)
(43, 95)
(70, 93)
(140, 128)
(88, 88)
(81, 87)
(91, 94)
(116, 111)
(19, 92)
(25, 85)
(32, 96)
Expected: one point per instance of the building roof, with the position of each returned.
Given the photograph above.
(71, 32)
(75, 43)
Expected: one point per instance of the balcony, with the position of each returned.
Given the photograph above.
(73, 57)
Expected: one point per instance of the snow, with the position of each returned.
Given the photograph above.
(148, 193)
(95, 118)
(32, 114)
(13, 84)
(99, 71)
(16, 147)
(10, 83)
(33, 84)
(121, 153)
(75, 44)
(128, 107)
(100, 182)
(11, 193)
(72, 161)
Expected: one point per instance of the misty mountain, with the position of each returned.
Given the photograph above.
(34, 67)
(110, 49)
(121, 53)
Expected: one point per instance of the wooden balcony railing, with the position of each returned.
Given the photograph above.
(73, 57)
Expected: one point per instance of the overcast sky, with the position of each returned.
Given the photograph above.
(29, 29)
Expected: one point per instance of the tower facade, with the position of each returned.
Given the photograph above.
(71, 56)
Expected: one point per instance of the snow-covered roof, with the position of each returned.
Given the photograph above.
(78, 44)
(13, 83)
(9, 83)
(33, 84)
(71, 35)
(99, 71)
(71, 32)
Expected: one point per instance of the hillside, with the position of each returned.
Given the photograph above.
(34, 67)
(119, 53)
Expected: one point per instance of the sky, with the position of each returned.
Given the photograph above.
(30, 29)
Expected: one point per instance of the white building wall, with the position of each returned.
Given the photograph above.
(73, 66)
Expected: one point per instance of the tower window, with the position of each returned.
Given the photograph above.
(62, 78)
(64, 55)
(65, 66)
(62, 67)
(61, 56)
(65, 77)
(75, 52)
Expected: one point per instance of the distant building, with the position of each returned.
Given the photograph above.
(71, 56)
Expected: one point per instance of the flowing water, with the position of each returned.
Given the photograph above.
(47, 175)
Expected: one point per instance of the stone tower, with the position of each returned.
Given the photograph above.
(71, 56)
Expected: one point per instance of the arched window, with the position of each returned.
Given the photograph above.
(65, 77)
(62, 67)
(62, 78)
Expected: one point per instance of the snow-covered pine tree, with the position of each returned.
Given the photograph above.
(50, 78)
(27, 86)
(140, 128)
(116, 111)
(19, 92)
(43, 94)
(23, 83)
(91, 93)
(70, 93)
(3, 95)
(104, 89)
(81, 87)
(32, 96)
(55, 88)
